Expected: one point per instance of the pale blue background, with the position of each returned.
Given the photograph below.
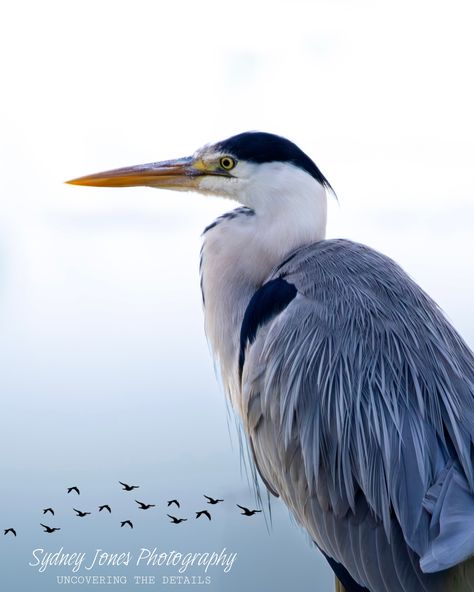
(105, 373)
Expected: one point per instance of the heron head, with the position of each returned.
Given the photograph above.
(248, 168)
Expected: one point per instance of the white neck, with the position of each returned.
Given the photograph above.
(291, 210)
(241, 250)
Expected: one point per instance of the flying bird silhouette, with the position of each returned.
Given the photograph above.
(7, 530)
(175, 520)
(213, 501)
(246, 511)
(122, 524)
(127, 487)
(203, 513)
(76, 489)
(49, 529)
(81, 514)
(50, 510)
(175, 502)
(143, 506)
(105, 507)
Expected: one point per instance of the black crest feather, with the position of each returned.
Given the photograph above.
(261, 147)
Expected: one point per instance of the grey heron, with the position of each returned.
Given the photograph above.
(355, 393)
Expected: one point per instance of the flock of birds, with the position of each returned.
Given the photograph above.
(141, 506)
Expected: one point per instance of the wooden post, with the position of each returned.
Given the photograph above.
(339, 586)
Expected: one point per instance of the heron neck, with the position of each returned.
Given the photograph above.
(238, 255)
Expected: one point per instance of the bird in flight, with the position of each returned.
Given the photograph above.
(175, 520)
(126, 522)
(246, 511)
(127, 487)
(175, 502)
(355, 393)
(49, 529)
(105, 507)
(143, 506)
(211, 500)
(7, 530)
(76, 489)
(81, 514)
(203, 513)
(50, 510)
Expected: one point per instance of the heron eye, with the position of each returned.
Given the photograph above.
(227, 163)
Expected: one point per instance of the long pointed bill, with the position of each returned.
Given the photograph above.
(182, 173)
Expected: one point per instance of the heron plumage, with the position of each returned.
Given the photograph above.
(358, 399)
(355, 392)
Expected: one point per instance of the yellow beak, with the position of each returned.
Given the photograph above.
(182, 173)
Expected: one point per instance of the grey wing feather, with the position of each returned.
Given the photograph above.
(364, 394)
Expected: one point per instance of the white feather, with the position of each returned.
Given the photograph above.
(239, 253)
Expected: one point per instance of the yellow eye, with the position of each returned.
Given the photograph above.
(227, 163)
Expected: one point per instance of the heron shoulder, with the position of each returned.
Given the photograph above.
(351, 294)
(344, 263)
(348, 284)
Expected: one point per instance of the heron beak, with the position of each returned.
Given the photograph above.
(182, 173)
